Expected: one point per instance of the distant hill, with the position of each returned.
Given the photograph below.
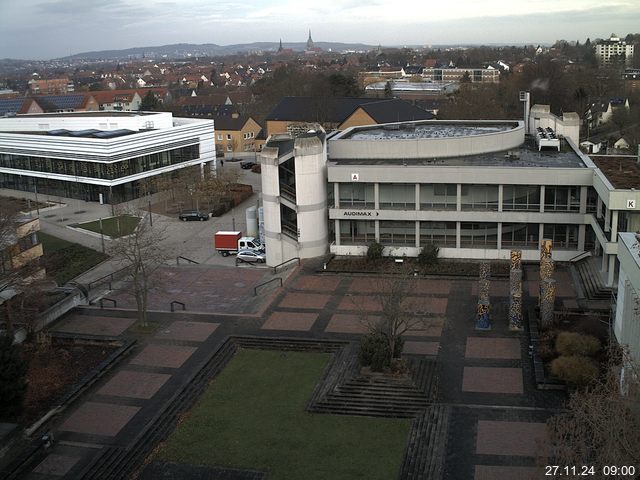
(181, 50)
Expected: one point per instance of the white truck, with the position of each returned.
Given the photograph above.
(229, 243)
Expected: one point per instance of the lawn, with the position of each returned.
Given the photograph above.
(64, 260)
(253, 417)
(113, 227)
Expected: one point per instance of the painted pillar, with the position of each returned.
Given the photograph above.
(547, 302)
(483, 320)
(515, 291)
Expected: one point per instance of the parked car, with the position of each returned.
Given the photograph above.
(247, 164)
(251, 256)
(188, 216)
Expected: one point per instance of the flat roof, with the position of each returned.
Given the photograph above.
(622, 172)
(101, 113)
(410, 131)
(527, 155)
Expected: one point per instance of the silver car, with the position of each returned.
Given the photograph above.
(251, 256)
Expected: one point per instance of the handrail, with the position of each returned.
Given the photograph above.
(185, 258)
(580, 256)
(101, 302)
(294, 259)
(255, 289)
(109, 276)
(171, 305)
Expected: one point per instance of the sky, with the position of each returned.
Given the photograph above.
(45, 29)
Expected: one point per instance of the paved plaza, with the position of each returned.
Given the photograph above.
(497, 420)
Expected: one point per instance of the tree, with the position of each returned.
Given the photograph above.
(398, 314)
(601, 425)
(142, 252)
(149, 102)
(13, 383)
(388, 91)
(466, 78)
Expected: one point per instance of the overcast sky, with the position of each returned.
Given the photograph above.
(44, 29)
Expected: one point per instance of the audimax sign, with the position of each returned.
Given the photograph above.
(360, 213)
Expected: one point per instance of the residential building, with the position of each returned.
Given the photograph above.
(457, 75)
(74, 102)
(118, 100)
(51, 86)
(99, 156)
(298, 114)
(236, 135)
(614, 50)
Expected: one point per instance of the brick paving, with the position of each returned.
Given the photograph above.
(187, 331)
(290, 321)
(492, 380)
(167, 356)
(433, 287)
(421, 348)
(520, 439)
(134, 384)
(429, 327)
(497, 288)
(95, 325)
(495, 348)
(96, 418)
(347, 323)
(56, 465)
(360, 303)
(304, 300)
(433, 306)
(314, 282)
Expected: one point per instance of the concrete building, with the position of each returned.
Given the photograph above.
(627, 314)
(457, 75)
(614, 50)
(99, 156)
(476, 189)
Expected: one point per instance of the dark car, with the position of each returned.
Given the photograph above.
(247, 164)
(185, 216)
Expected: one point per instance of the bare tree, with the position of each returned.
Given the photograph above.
(601, 425)
(142, 252)
(400, 310)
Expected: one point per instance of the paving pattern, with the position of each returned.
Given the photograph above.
(494, 413)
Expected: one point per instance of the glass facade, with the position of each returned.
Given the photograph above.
(357, 195)
(563, 236)
(357, 232)
(521, 197)
(524, 235)
(397, 233)
(439, 196)
(478, 235)
(442, 234)
(400, 196)
(100, 170)
(479, 197)
(562, 199)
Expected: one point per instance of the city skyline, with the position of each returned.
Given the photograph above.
(39, 29)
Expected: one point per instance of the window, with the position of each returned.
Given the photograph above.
(401, 196)
(479, 235)
(442, 234)
(357, 232)
(356, 195)
(521, 197)
(228, 136)
(562, 199)
(397, 232)
(438, 196)
(520, 235)
(220, 136)
(479, 197)
(229, 148)
(563, 236)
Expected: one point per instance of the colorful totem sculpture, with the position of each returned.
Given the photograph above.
(515, 291)
(483, 320)
(547, 302)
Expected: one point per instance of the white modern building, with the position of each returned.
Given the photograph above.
(627, 308)
(476, 189)
(608, 51)
(99, 156)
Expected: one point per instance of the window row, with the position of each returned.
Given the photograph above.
(443, 234)
(107, 171)
(444, 196)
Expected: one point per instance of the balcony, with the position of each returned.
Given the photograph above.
(288, 192)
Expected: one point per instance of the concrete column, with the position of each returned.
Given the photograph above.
(582, 232)
(417, 196)
(377, 230)
(540, 233)
(605, 258)
(457, 234)
(614, 226)
(336, 225)
(336, 195)
(583, 200)
(607, 220)
(500, 197)
(542, 192)
(417, 234)
(376, 198)
(599, 208)
(499, 243)
(612, 270)
(459, 197)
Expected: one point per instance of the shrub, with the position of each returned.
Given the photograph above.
(374, 251)
(375, 352)
(571, 343)
(575, 369)
(428, 254)
(13, 382)
(546, 351)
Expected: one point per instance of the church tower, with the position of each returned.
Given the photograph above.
(310, 45)
(280, 47)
